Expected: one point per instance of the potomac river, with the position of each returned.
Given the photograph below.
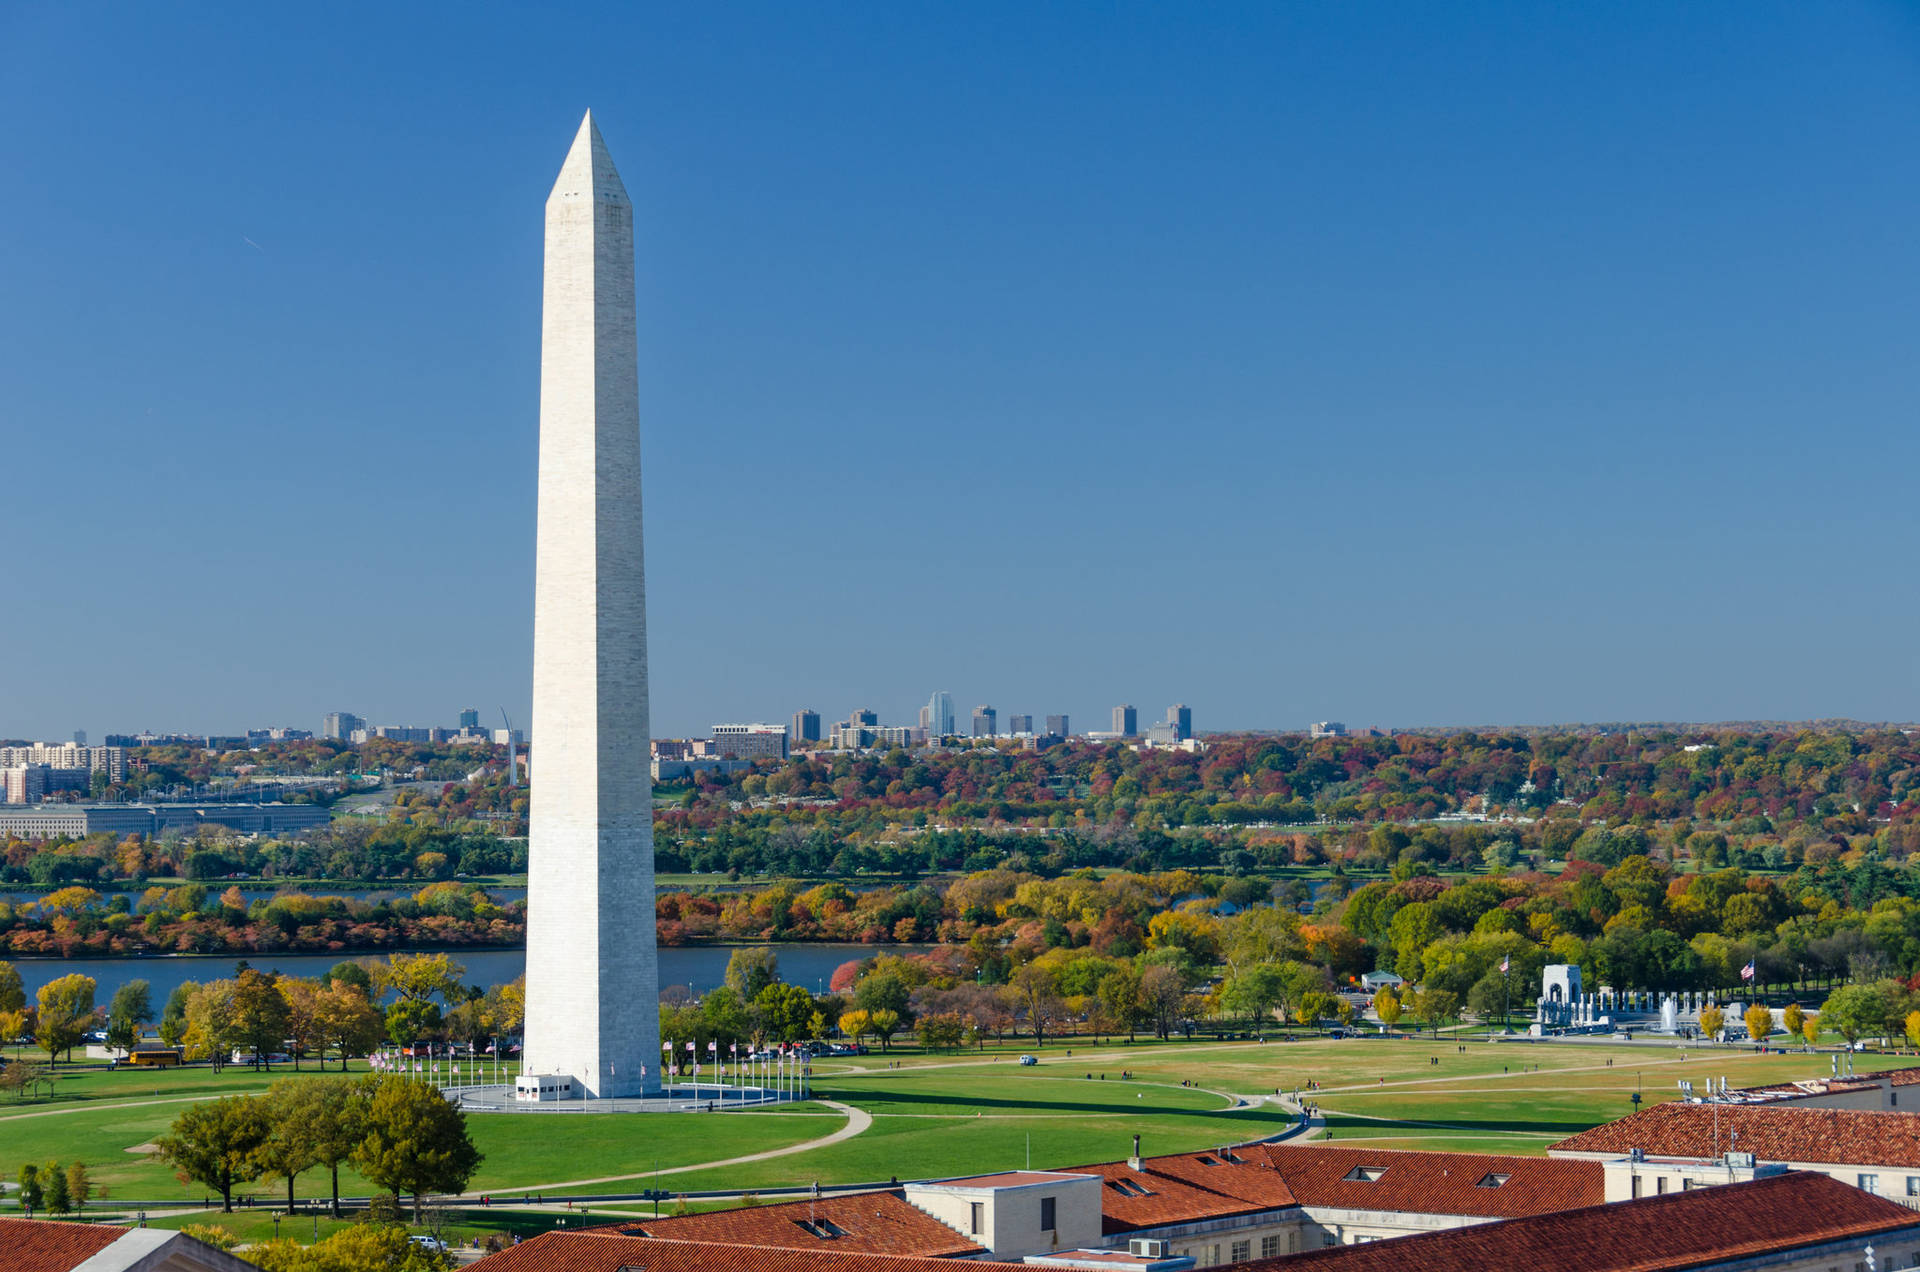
(700, 966)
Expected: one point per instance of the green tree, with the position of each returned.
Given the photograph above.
(1387, 1006)
(886, 1022)
(66, 1013)
(129, 1014)
(79, 1185)
(360, 1248)
(32, 1195)
(13, 990)
(173, 1017)
(212, 1023)
(288, 1147)
(59, 1200)
(415, 1141)
(1254, 992)
(217, 1143)
(750, 970)
(335, 1111)
(1119, 992)
(1859, 1011)
(260, 1016)
(785, 1011)
(411, 1019)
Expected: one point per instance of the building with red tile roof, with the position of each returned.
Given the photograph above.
(602, 1250)
(1795, 1222)
(40, 1245)
(1876, 1151)
(868, 1223)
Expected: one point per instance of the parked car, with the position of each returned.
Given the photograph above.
(427, 1241)
(1029, 1060)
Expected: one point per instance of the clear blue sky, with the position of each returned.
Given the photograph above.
(1398, 364)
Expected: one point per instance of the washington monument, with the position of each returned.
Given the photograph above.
(592, 969)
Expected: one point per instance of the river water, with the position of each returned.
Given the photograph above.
(700, 967)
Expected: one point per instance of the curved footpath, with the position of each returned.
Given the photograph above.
(858, 1120)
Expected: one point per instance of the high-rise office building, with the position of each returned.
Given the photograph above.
(1057, 726)
(926, 714)
(863, 719)
(985, 719)
(1180, 716)
(1018, 724)
(470, 718)
(339, 726)
(79, 737)
(939, 715)
(806, 725)
(1126, 721)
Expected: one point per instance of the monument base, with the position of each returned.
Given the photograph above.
(687, 1097)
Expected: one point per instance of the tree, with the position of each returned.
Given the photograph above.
(13, 991)
(66, 1013)
(855, 1024)
(217, 1143)
(54, 1179)
(1712, 1021)
(1035, 991)
(1810, 1030)
(260, 1016)
(1314, 1007)
(79, 1185)
(415, 1141)
(32, 1195)
(336, 1112)
(129, 1013)
(1254, 992)
(22, 1076)
(1162, 992)
(1793, 1020)
(785, 1011)
(173, 1018)
(348, 1022)
(362, 1246)
(211, 1023)
(288, 1148)
(1436, 1007)
(1119, 993)
(1387, 1006)
(886, 1023)
(419, 977)
(1913, 1028)
(752, 969)
(411, 1019)
(1859, 1011)
(942, 1031)
(1759, 1022)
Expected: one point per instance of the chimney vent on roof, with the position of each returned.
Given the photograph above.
(1133, 1163)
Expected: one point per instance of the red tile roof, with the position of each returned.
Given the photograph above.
(1479, 1184)
(1185, 1187)
(602, 1251)
(1703, 1228)
(1153, 1198)
(37, 1245)
(1774, 1133)
(871, 1223)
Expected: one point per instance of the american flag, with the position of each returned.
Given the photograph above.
(1746, 973)
(1506, 965)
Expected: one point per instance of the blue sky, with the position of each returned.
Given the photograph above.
(1404, 365)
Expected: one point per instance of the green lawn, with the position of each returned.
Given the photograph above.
(937, 1115)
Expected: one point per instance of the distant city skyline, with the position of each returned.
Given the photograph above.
(1470, 365)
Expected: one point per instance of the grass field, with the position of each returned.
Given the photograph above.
(935, 1115)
